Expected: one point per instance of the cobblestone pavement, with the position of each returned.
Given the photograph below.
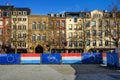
(58, 72)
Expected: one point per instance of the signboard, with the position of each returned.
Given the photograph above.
(9, 58)
(30, 58)
(112, 59)
(71, 58)
(91, 58)
(53, 58)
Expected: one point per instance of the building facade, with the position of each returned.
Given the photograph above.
(99, 31)
(58, 28)
(5, 27)
(19, 27)
(39, 34)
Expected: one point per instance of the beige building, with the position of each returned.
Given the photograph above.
(19, 26)
(91, 31)
(39, 34)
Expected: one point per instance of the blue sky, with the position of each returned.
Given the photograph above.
(58, 6)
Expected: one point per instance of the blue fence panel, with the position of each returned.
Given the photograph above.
(118, 65)
(9, 58)
(91, 58)
(53, 58)
(112, 59)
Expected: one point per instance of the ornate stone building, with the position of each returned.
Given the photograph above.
(39, 34)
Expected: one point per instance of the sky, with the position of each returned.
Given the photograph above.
(59, 6)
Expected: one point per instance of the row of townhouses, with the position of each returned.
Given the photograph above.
(23, 32)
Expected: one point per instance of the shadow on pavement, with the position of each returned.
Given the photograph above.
(95, 72)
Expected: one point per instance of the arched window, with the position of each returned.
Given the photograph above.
(43, 37)
(44, 26)
(38, 37)
(38, 26)
(33, 38)
(33, 25)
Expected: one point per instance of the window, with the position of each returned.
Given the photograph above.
(19, 35)
(19, 12)
(96, 15)
(1, 22)
(79, 27)
(88, 24)
(75, 19)
(88, 42)
(70, 35)
(58, 24)
(1, 31)
(33, 38)
(5, 14)
(24, 35)
(114, 32)
(24, 44)
(19, 19)
(63, 23)
(114, 24)
(75, 44)
(106, 23)
(106, 33)
(87, 33)
(24, 27)
(94, 33)
(38, 37)
(33, 25)
(14, 19)
(100, 33)
(1, 42)
(93, 24)
(43, 37)
(70, 27)
(38, 26)
(70, 43)
(14, 27)
(94, 43)
(75, 27)
(80, 44)
(100, 24)
(100, 43)
(106, 43)
(75, 35)
(7, 23)
(44, 26)
(8, 31)
(24, 19)
(24, 12)
(19, 27)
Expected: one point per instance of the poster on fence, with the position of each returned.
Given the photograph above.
(71, 58)
(91, 58)
(112, 59)
(9, 58)
(53, 58)
(30, 58)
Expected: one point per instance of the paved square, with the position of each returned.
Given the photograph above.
(58, 72)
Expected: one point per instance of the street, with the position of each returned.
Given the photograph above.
(58, 72)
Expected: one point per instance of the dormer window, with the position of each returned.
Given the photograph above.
(24, 12)
(19, 12)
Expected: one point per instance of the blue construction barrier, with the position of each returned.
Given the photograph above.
(112, 59)
(53, 58)
(91, 58)
(118, 65)
(9, 58)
